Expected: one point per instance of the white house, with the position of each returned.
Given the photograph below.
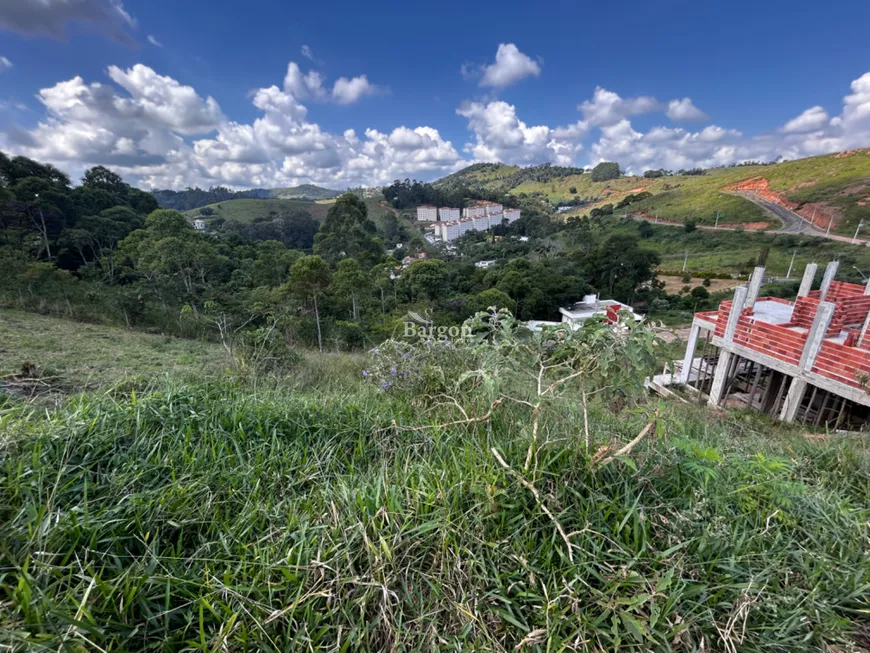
(427, 213)
(591, 306)
(485, 264)
(199, 225)
(446, 214)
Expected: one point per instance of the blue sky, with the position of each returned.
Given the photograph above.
(176, 93)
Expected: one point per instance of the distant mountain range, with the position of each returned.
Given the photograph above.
(194, 198)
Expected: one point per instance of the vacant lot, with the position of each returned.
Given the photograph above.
(673, 285)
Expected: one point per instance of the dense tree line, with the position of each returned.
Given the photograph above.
(104, 251)
(605, 171)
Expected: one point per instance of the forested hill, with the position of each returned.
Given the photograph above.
(503, 178)
(194, 198)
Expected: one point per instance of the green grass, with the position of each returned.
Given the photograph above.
(78, 356)
(73, 357)
(207, 518)
(213, 515)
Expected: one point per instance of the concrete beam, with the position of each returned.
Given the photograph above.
(690, 353)
(720, 377)
(830, 273)
(816, 335)
(793, 400)
(807, 280)
(754, 286)
(736, 309)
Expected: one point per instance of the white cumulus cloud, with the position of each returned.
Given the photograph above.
(500, 135)
(683, 110)
(510, 66)
(608, 108)
(348, 91)
(161, 133)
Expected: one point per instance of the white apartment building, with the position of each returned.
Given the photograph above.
(512, 215)
(447, 214)
(466, 225)
(450, 230)
(492, 208)
(481, 223)
(473, 211)
(427, 213)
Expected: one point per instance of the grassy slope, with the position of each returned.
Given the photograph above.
(838, 181)
(87, 356)
(219, 518)
(248, 210)
(306, 191)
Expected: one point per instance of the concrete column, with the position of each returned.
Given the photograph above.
(830, 273)
(725, 357)
(754, 286)
(719, 377)
(737, 305)
(807, 281)
(690, 354)
(816, 335)
(862, 339)
(793, 400)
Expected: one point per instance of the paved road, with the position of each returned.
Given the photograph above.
(792, 223)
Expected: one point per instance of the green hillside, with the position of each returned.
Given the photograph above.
(305, 192)
(834, 183)
(248, 209)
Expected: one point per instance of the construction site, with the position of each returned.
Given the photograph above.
(806, 360)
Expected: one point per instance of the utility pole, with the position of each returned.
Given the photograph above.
(686, 260)
(717, 220)
(855, 237)
(657, 217)
(790, 265)
(813, 219)
(830, 220)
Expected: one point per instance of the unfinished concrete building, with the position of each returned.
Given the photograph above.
(806, 360)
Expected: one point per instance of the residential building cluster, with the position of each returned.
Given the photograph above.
(479, 217)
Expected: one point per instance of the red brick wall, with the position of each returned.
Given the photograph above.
(771, 339)
(804, 312)
(841, 363)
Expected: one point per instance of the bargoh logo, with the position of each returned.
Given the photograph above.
(422, 326)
